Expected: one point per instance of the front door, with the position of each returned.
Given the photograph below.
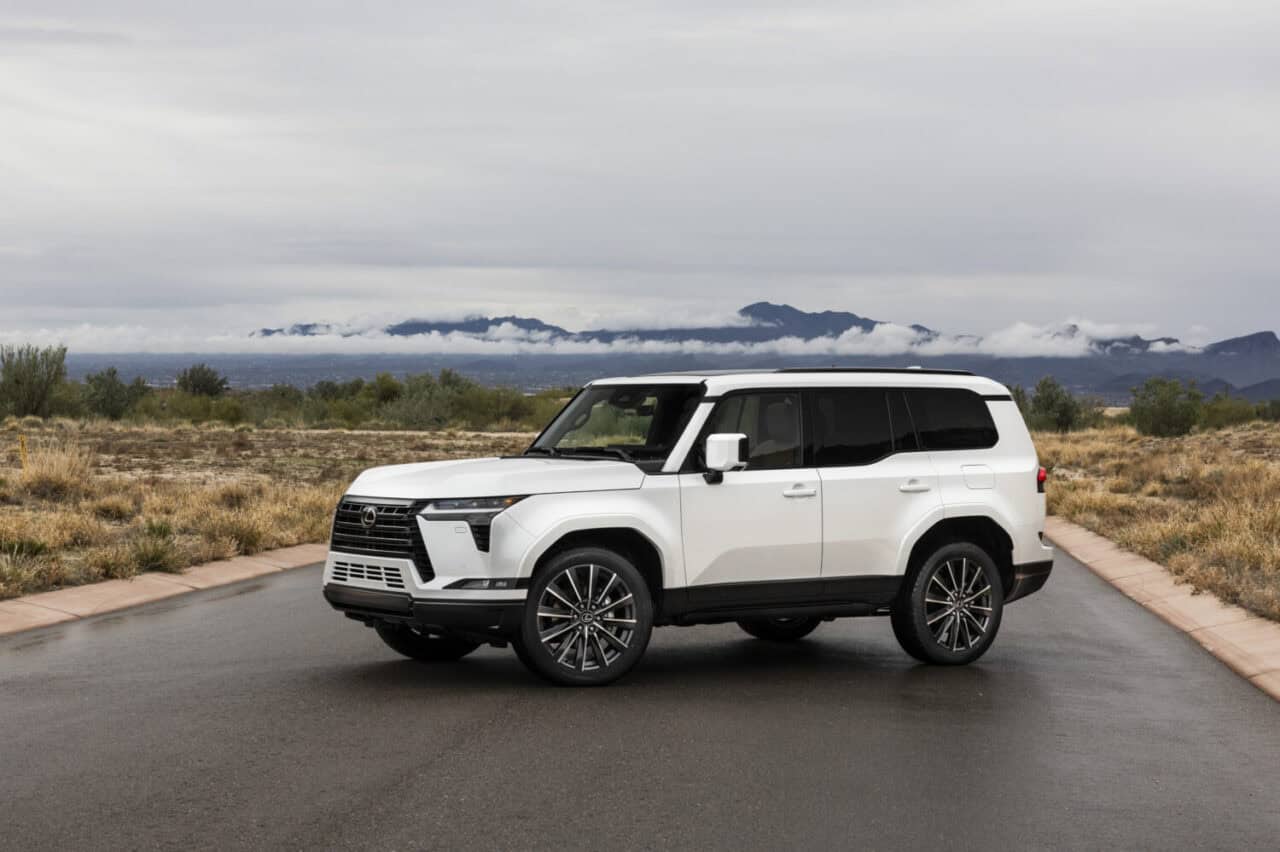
(761, 525)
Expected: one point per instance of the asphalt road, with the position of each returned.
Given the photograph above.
(254, 716)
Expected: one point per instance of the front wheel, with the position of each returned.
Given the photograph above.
(587, 619)
(950, 606)
(424, 647)
(780, 629)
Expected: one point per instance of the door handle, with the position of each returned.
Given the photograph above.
(914, 486)
(799, 490)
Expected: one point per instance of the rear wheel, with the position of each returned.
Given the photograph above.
(779, 629)
(424, 647)
(950, 607)
(587, 619)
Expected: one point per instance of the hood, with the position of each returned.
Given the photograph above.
(495, 477)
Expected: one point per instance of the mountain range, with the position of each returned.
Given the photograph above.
(766, 334)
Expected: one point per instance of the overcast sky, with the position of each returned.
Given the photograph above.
(187, 169)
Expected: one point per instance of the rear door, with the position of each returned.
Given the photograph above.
(763, 523)
(956, 428)
(877, 485)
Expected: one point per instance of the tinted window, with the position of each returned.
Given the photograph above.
(771, 422)
(951, 419)
(904, 432)
(850, 426)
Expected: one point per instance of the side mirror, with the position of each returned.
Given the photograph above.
(724, 453)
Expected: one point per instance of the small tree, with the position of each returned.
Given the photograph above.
(106, 395)
(202, 380)
(29, 376)
(1053, 407)
(1165, 407)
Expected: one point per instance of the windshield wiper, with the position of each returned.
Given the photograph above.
(550, 451)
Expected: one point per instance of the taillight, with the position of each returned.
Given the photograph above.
(1041, 476)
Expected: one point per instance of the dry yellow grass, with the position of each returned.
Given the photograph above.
(1207, 505)
(101, 501)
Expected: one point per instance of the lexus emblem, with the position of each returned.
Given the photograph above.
(368, 517)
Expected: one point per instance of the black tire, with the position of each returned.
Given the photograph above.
(926, 620)
(580, 653)
(424, 647)
(780, 629)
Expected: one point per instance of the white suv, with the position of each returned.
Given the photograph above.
(777, 499)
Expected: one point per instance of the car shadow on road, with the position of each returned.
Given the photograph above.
(731, 665)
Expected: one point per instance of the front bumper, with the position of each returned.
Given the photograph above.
(494, 618)
(1027, 578)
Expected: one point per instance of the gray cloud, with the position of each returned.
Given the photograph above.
(967, 165)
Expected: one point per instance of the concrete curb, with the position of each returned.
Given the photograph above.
(46, 608)
(1249, 645)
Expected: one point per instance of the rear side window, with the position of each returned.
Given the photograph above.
(951, 419)
(850, 426)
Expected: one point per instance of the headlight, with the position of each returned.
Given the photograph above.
(468, 505)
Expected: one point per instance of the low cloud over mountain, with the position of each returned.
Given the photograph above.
(762, 328)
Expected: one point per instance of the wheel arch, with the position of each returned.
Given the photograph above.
(628, 542)
(981, 530)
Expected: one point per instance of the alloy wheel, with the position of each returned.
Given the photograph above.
(586, 617)
(958, 604)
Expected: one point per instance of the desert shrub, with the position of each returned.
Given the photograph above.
(113, 507)
(424, 404)
(383, 389)
(106, 395)
(1053, 408)
(23, 572)
(202, 380)
(21, 545)
(57, 471)
(111, 562)
(1165, 407)
(1269, 410)
(28, 378)
(154, 553)
(157, 528)
(237, 495)
(71, 529)
(1224, 410)
(228, 410)
(246, 529)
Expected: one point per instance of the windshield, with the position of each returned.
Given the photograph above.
(632, 422)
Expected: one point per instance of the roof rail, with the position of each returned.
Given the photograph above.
(908, 370)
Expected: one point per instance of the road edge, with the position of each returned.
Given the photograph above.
(1248, 644)
(43, 609)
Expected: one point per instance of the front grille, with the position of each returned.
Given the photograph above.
(388, 578)
(394, 534)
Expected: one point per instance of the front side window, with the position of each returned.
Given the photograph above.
(771, 422)
(850, 426)
(951, 419)
(634, 422)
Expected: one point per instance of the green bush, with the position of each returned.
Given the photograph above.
(29, 377)
(202, 380)
(229, 410)
(1224, 410)
(107, 396)
(1053, 408)
(1165, 407)
(1270, 410)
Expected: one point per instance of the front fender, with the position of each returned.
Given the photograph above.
(654, 512)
